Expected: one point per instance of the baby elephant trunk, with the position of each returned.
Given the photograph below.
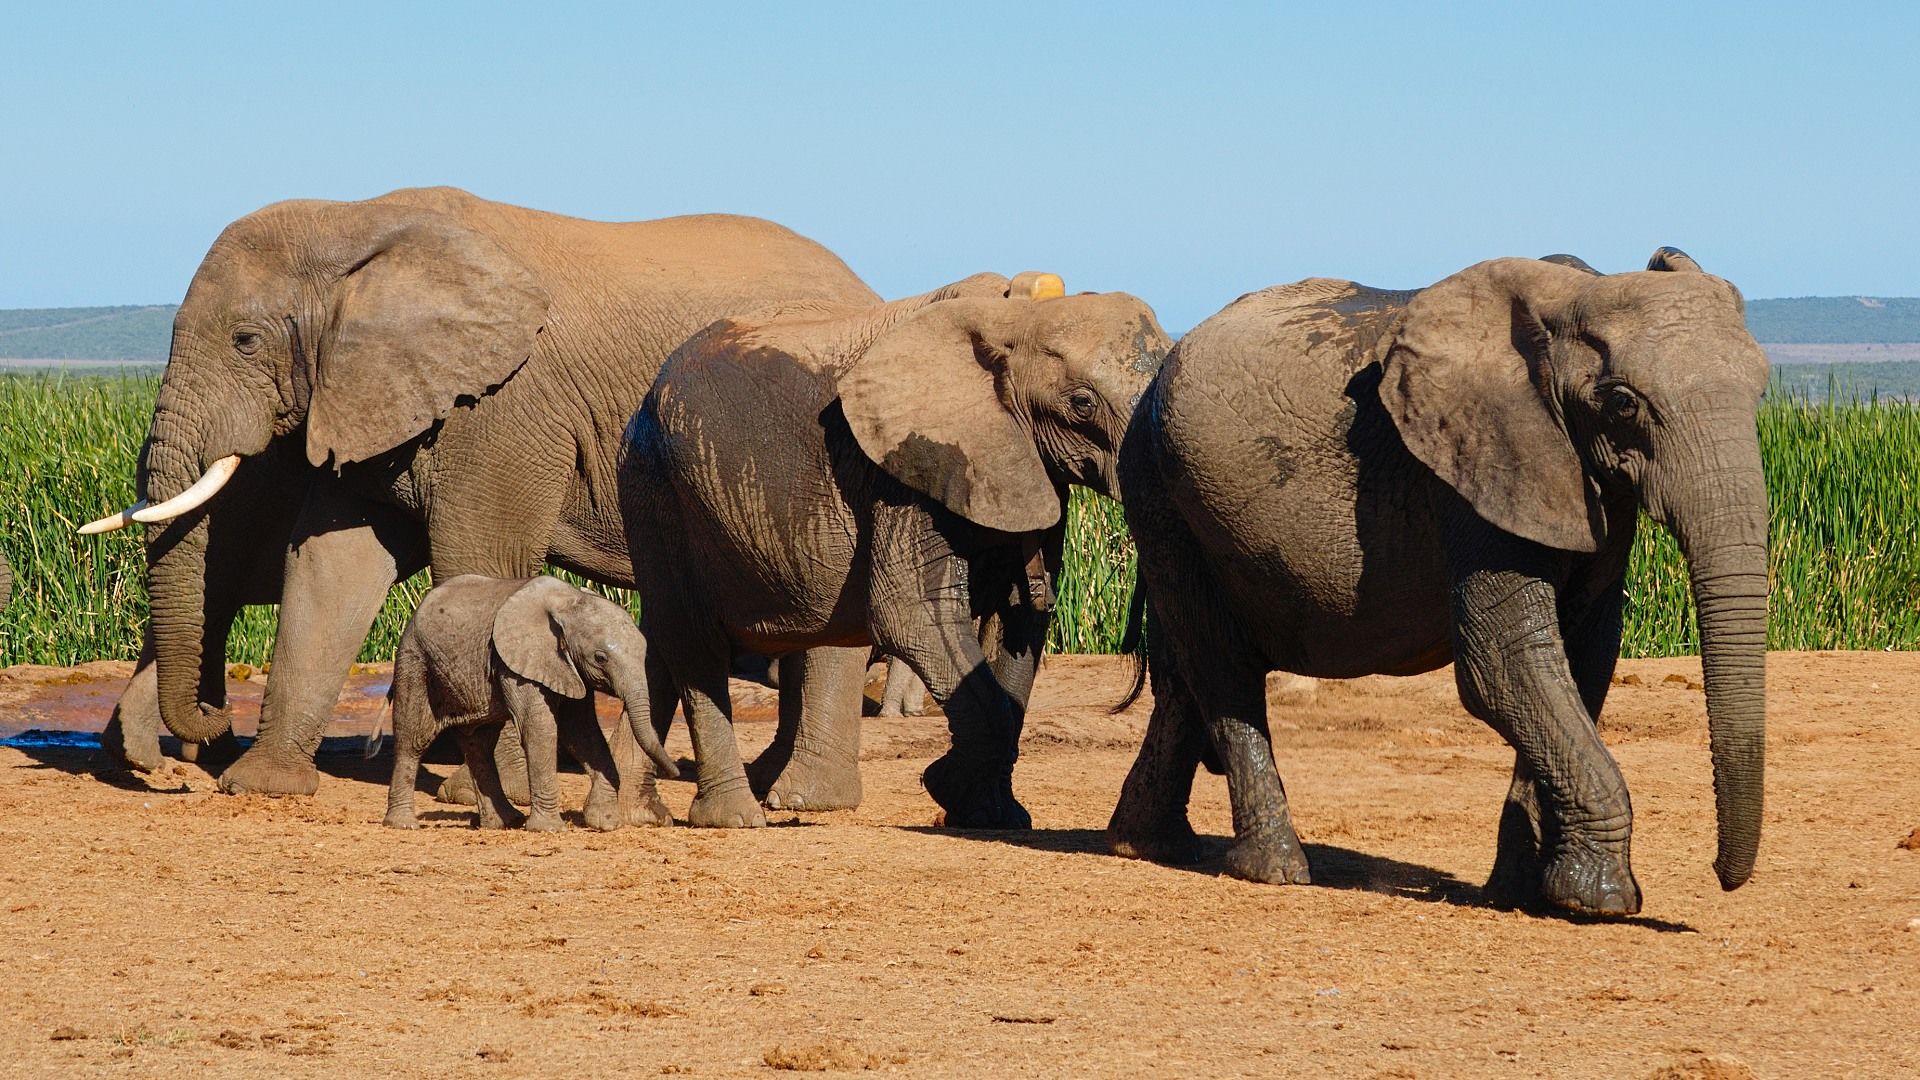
(632, 689)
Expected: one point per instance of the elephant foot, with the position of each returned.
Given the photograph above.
(644, 812)
(814, 783)
(1514, 882)
(975, 797)
(137, 750)
(485, 818)
(601, 816)
(764, 771)
(735, 808)
(400, 819)
(1168, 841)
(539, 822)
(1588, 879)
(1270, 859)
(258, 774)
(458, 789)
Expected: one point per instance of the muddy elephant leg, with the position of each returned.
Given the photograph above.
(820, 768)
(579, 728)
(1514, 673)
(342, 561)
(723, 799)
(1592, 635)
(921, 612)
(492, 810)
(1150, 820)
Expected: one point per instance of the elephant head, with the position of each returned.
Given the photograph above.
(570, 640)
(991, 405)
(317, 334)
(1546, 394)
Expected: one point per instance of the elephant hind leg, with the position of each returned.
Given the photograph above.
(820, 768)
(1150, 820)
(477, 744)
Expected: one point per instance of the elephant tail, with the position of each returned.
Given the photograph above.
(1133, 642)
(378, 734)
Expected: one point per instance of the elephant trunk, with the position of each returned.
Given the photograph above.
(630, 683)
(1721, 524)
(189, 667)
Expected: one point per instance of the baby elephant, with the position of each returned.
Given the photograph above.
(480, 649)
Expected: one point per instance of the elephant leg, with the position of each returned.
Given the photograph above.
(580, 733)
(921, 611)
(492, 810)
(414, 727)
(785, 673)
(538, 736)
(132, 733)
(341, 563)
(905, 694)
(822, 766)
(1150, 820)
(1513, 671)
(723, 799)
(1592, 635)
(640, 802)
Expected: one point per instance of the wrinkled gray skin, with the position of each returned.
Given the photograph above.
(881, 476)
(479, 650)
(422, 378)
(905, 694)
(1336, 481)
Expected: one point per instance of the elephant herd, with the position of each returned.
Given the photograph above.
(1323, 478)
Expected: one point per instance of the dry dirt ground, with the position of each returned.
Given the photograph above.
(151, 926)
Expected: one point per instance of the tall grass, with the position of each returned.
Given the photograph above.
(1844, 480)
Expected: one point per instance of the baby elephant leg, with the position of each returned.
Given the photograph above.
(532, 711)
(476, 745)
(580, 733)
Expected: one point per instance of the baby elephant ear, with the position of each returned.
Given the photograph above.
(1672, 258)
(925, 404)
(1469, 385)
(529, 638)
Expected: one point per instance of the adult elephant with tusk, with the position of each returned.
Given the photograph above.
(1337, 481)
(359, 389)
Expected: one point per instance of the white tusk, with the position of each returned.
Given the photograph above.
(205, 488)
(113, 522)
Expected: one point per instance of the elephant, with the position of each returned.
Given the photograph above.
(905, 694)
(481, 649)
(878, 476)
(1335, 480)
(6, 582)
(425, 378)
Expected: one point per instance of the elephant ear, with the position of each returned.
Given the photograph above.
(1672, 258)
(926, 403)
(530, 639)
(426, 311)
(1468, 384)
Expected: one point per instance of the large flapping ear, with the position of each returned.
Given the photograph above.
(529, 638)
(425, 311)
(1672, 258)
(925, 403)
(1468, 385)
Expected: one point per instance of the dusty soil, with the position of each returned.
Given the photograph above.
(150, 925)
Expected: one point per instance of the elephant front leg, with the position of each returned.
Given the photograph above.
(492, 810)
(132, 734)
(338, 571)
(580, 733)
(1568, 801)
(538, 733)
(821, 691)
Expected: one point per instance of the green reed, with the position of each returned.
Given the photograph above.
(1844, 478)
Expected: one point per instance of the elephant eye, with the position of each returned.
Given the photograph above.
(599, 656)
(246, 341)
(1622, 405)
(1082, 402)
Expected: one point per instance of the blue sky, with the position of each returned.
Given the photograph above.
(1187, 157)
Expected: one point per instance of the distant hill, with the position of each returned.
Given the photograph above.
(1834, 320)
(143, 333)
(95, 333)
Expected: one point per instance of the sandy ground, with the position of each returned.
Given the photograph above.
(152, 926)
